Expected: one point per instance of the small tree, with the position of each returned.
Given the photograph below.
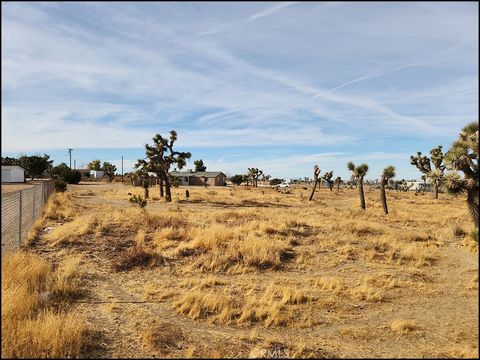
(237, 179)
(275, 181)
(463, 156)
(95, 165)
(423, 164)
(338, 181)
(255, 174)
(73, 177)
(35, 165)
(316, 172)
(109, 171)
(388, 173)
(199, 166)
(359, 173)
(205, 181)
(328, 178)
(139, 203)
(8, 161)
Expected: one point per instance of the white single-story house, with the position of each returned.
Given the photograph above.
(13, 174)
(418, 185)
(96, 174)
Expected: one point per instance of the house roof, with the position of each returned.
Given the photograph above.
(207, 174)
(12, 167)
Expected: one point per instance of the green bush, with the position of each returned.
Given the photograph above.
(72, 176)
(60, 185)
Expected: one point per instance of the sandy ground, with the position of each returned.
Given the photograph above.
(441, 300)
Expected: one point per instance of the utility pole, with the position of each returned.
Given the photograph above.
(74, 164)
(70, 153)
(122, 168)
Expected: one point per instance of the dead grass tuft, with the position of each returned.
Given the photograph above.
(32, 326)
(163, 336)
(136, 256)
(404, 327)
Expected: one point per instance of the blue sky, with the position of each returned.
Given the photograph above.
(276, 85)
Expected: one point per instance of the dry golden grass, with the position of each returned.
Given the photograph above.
(404, 326)
(232, 262)
(32, 325)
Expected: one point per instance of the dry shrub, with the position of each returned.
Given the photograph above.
(334, 284)
(458, 231)
(412, 253)
(197, 305)
(136, 256)
(31, 324)
(167, 236)
(274, 308)
(73, 231)
(163, 336)
(366, 292)
(60, 207)
(363, 228)
(67, 279)
(404, 326)
(33, 232)
(155, 222)
(421, 236)
(230, 249)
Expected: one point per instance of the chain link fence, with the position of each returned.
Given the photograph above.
(20, 209)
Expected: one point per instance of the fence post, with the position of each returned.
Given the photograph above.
(33, 212)
(20, 221)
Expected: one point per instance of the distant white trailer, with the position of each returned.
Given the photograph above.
(13, 174)
(96, 174)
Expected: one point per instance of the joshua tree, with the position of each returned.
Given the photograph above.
(388, 173)
(254, 174)
(316, 172)
(142, 174)
(463, 156)
(109, 170)
(359, 173)
(161, 156)
(205, 179)
(423, 163)
(94, 165)
(338, 181)
(328, 178)
(199, 166)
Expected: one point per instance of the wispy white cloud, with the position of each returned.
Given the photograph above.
(271, 9)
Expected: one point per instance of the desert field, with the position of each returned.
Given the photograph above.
(244, 272)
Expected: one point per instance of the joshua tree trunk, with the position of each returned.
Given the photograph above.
(435, 189)
(313, 189)
(383, 196)
(145, 193)
(338, 186)
(362, 195)
(472, 202)
(160, 182)
(331, 186)
(168, 195)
